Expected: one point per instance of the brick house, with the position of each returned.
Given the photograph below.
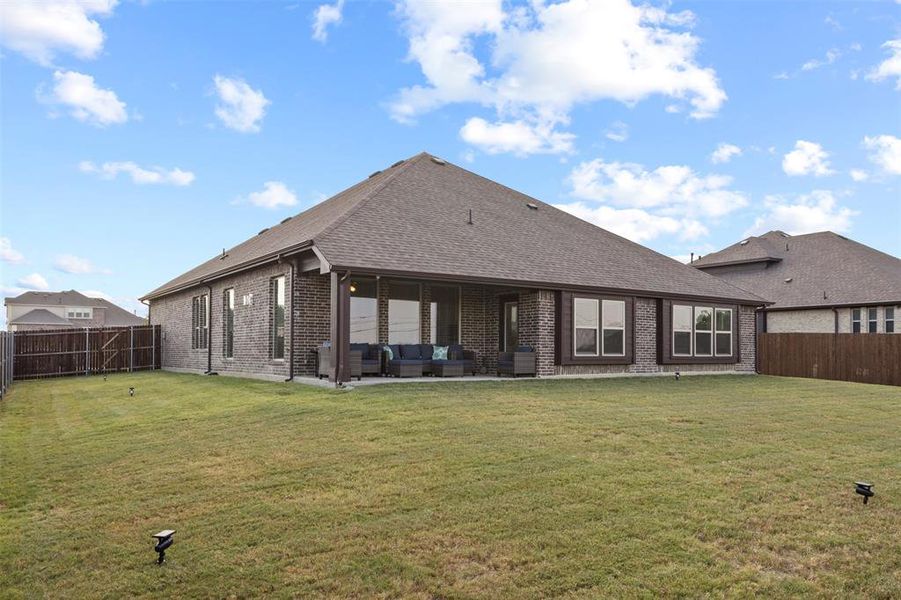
(425, 251)
(818, 282)
(65, 310)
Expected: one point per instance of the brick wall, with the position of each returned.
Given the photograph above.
(312, 309)
(537, 318)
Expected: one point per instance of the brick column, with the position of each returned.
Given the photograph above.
(645, 341)
(536, 327)
(383, 310)
(425, 314)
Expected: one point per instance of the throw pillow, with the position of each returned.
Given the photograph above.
(439, 353)
(387, 349)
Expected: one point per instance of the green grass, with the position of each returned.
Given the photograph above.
(717, 486)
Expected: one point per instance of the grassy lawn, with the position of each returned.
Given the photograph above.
(720, 486)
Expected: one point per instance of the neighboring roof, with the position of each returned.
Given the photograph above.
(414, 218)
(846, 271)
(40, 316)
(115, 316)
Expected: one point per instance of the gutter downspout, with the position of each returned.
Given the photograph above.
(756, 344)
(835, 312)
(291, 263)
(209, 338)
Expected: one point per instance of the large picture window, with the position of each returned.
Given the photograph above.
(444, 315)
(228, 320)
(702, 331)
(277, 300)
(364, 311)
(200, 323)
(585, 326)
(682, 330)
(403, 313)
(613, 321)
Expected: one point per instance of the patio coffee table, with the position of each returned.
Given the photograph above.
(451, 368)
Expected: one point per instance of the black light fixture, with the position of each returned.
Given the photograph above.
(353, 287)
(864, 489)
(163, 541)
(678, 375)
(131, 391)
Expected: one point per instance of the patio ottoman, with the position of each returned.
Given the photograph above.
(448, 368)
(405, 368)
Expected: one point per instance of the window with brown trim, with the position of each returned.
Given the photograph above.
(200, 322)
(228, 321)
(697, 333)
(594, 329)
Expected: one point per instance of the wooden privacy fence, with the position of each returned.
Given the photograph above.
(56, 353)
(865, 358)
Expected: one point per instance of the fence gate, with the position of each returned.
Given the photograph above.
(57, 353)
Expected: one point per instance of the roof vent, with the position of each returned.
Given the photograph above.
(398, 163)
(532, 205)
(285, 220)
(374, 174)
(223, 256)
(743, 243)
(438, 161)
(788, 279)
(262, 231)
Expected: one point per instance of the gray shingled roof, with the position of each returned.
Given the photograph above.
(846, 271)
(413, 218)
(41, 316)
(115, 315)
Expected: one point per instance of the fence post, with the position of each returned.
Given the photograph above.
(87, 351)
(152, 348)
(131, 348)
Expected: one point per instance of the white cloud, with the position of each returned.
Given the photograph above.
(518, 137)
(885, 151)
(670, 190)
(325, 15)
(859, 175)
(8, 254)
(724, 153)
(832, 55)
(69, 263)
(618, 132)
(39, 30)
(240, 107)
(547, 58)
(274, 194)
(140, 175)
(890, 67)
(86, 101)
(808, 158)
(807, 213)
(35, 281)
(633, 223)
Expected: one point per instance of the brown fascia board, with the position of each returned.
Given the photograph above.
(363, 271)
(239, 268)
(729, 263)
(841, 305)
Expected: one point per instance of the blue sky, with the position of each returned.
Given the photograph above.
(139, 139)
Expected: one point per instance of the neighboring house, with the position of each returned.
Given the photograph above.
(64, 310)
(818, 282)
(426, 251)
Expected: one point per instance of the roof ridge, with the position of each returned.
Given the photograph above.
(369, 196)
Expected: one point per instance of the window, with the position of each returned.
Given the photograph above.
(702, 331)
(511, 326)
(444, 312)
(872, 320)
(364, 311)
(681, 330)
(723, 325)
(228, 319)
(889, 319)
(78, 313)
(200, 322)
(613, 321)
(585, 326)
(855, 320)
(403, 313)
(277, 299)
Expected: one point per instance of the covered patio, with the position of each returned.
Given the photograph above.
(371, 311)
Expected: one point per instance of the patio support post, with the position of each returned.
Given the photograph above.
(339, 369)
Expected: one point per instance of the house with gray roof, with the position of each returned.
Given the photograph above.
(65, 310)
(425, 252)
(818, 282)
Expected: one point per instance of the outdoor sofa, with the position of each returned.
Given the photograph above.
(414, 360)
(520, 362)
